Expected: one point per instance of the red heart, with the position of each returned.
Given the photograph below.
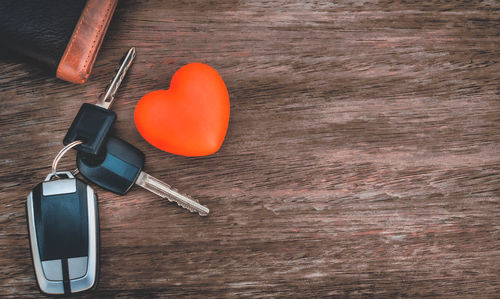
(189, 119)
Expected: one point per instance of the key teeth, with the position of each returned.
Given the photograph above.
(187, 207)
(177, 190)
(171, 194)
(189, 197)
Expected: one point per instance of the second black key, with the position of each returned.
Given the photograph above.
(118, 166)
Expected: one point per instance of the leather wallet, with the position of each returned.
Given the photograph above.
(64, 36)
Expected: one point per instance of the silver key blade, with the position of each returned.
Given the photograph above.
(108, 96)
(162, 189)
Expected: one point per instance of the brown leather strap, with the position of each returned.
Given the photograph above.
(78, 58)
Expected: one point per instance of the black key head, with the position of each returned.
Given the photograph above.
(115, 168)
(64, 235)
(91, 125)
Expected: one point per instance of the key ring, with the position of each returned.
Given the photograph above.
(61, 154)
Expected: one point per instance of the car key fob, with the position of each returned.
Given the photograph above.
(64, 234)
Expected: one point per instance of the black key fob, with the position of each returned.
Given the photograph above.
(63, 228)
(115, 168)
(91, 125)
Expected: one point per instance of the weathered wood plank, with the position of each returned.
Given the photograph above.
(361, 159)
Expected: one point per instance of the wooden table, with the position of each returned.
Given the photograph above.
(362, 157)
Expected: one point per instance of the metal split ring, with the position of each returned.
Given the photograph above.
(61, 154)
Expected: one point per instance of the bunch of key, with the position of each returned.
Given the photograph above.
(62, 213)
(110, 162)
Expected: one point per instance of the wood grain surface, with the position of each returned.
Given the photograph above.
(362, 157)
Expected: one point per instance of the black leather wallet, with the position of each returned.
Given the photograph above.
(63, 36)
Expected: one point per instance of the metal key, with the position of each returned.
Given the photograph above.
(93, 122)
(108, 97)
(118, 166)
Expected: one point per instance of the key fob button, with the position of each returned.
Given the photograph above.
(53, 270)
(77, 267)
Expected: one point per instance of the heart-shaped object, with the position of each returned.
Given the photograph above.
(190, 118)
